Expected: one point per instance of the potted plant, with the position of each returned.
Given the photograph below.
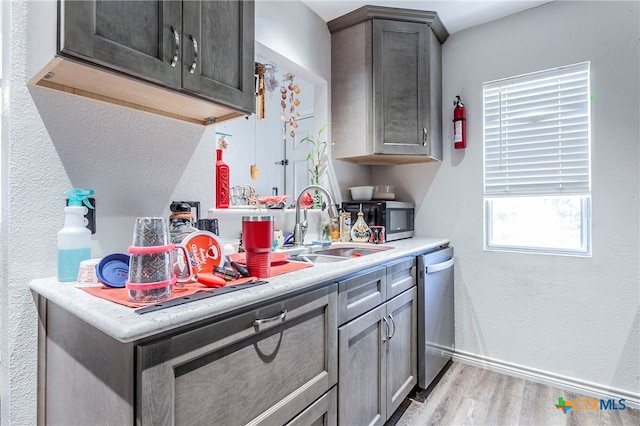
(317, 158)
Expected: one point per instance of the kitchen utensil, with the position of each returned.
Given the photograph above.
(204, 251)
(227, 273)
(211, 280)
(242, 270)
(151, 273)
(198, 296)
(257, 240)
(361, 193)
(87, 272)
(113, 270)
(383, 192)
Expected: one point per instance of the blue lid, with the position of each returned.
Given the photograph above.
(113, 270)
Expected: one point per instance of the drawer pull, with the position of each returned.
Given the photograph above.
(281, 317)
(176, 36)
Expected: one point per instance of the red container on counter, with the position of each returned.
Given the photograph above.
(257, 241)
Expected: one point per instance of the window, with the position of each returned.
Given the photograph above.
(537, 172)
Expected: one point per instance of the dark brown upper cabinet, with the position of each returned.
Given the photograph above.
(386, 86)
(191, 60)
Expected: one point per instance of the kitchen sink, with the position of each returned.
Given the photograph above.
(351, 251)
(318, 258)
(338, 253)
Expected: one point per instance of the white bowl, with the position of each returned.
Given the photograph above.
(383, 192)
(361, 193)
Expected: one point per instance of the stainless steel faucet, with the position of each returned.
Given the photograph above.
(298, 236)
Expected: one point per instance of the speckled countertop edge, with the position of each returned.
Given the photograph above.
(123, 324)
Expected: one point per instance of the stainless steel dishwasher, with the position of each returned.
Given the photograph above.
(435, 313)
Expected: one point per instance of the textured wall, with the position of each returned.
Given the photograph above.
(568, 316)
(137, 163)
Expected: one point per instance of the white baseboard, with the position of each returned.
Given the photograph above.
(547, 378)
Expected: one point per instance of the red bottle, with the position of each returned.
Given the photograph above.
(222, 182)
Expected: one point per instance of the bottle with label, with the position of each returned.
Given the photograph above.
(345, 227)
(360, 231)
(74, 239)
(222, 182)
(334, 228)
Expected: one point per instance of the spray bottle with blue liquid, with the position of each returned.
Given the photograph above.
(74, 239)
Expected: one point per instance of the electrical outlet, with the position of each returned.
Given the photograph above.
(89, 215)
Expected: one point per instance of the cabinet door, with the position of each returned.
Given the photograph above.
(402, 363)
(135, 37)
(361, 360)
(400, 87)
(218, 40)
(261, 367)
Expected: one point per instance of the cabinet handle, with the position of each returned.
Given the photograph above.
(424, 136)
(176, 36)
(394, 326)
(195, 55)
(386, 335)
(282, 316)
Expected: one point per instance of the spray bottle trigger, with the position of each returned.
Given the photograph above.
(78, 197)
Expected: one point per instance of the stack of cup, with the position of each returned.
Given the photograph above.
(257, 241)
(151, 267)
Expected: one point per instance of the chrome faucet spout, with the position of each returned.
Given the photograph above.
(298, 237)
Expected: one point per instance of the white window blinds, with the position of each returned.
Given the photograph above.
(536, 133)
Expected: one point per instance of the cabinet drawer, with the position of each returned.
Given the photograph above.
(401, 276)
(260, 367)
(361, 293)
(323, 412)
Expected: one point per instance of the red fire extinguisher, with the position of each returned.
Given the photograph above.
(459, 125)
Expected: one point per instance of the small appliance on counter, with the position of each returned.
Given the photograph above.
(397, 217)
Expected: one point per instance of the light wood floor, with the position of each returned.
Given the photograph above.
(467, 395)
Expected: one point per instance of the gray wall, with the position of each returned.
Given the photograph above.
(564, 316)
(137, 163)
(574, 320)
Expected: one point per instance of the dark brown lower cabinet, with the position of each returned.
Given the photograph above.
(340, 353)
(261, 367)
(377, 350)
(272, 364)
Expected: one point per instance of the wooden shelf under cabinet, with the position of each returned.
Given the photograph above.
(93, 82)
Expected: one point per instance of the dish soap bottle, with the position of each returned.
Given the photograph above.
(360, 231)
(74, 239)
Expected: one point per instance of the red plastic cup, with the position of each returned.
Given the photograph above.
(257, 240)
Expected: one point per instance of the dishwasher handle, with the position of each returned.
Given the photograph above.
(437, 267)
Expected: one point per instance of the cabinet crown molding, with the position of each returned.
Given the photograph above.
(366, 13)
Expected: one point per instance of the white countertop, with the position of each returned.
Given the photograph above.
(123, 324)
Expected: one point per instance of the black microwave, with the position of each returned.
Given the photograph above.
(397, 217)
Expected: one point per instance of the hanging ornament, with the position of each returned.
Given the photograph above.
(254, 170)
(288, 92)
(261, 101)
